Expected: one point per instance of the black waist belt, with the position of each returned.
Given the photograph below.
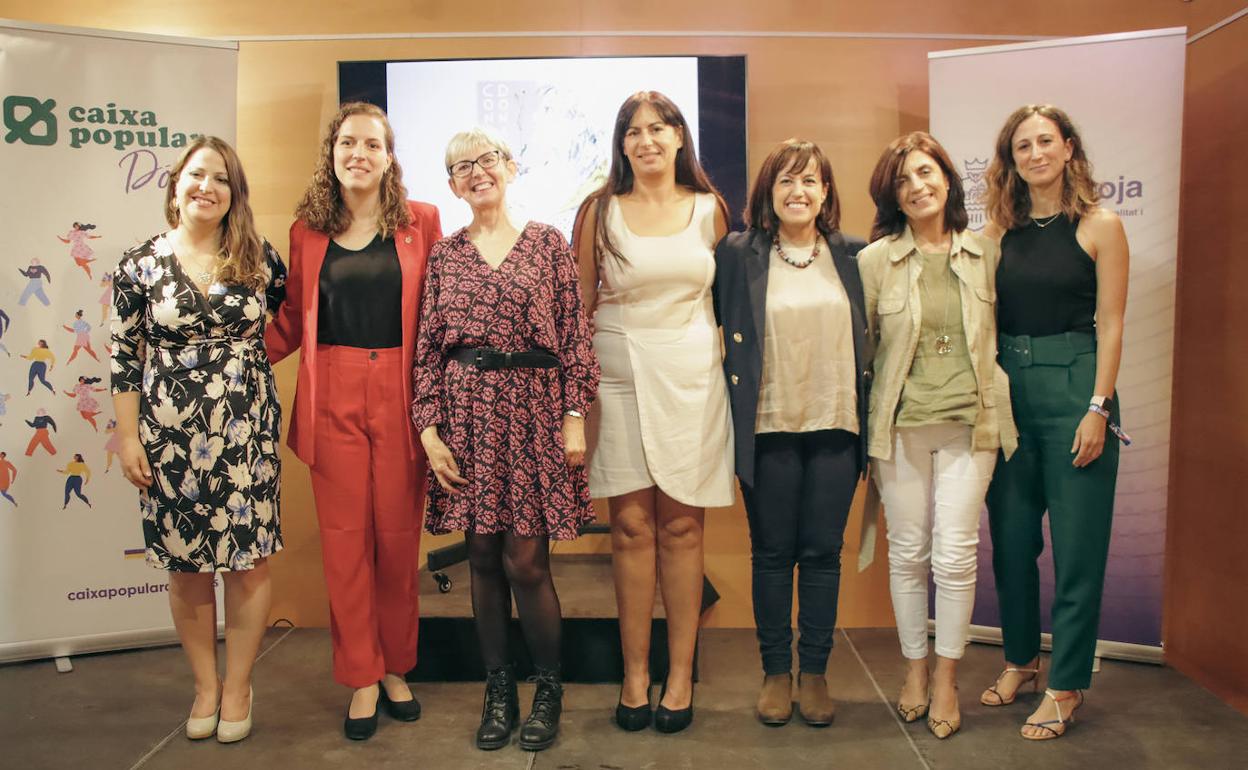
(1052, 350)
(492, 358)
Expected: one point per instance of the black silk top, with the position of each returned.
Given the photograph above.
(361, 296)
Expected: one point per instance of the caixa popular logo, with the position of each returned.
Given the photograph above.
(35, 121)
(975, 185)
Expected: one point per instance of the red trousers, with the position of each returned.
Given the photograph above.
(370, 504)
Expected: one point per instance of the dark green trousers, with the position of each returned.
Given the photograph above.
(1051, 382)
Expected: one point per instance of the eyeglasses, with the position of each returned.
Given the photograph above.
(463, 168)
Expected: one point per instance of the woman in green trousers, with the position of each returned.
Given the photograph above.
(1062, 292)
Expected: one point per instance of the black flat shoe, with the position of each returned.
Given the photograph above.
(402, 710)
(633, 718)
(360, 729)
(672, 720)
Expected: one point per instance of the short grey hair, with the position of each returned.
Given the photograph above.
(475, 137)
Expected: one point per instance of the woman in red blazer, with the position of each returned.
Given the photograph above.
(357, 267)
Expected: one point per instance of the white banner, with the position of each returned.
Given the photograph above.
(92, 121)
(1125, 94)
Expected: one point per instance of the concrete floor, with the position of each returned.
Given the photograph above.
(125, 710)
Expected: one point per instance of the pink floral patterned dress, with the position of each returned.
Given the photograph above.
(503, 425)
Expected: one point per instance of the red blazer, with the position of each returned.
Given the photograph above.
(294, 326)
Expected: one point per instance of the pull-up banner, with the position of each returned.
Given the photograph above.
(91, 122)
(1125, 94)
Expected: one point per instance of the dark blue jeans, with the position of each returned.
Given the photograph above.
(803, 486)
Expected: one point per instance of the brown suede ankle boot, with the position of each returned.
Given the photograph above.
(775, 702)
(816, 706)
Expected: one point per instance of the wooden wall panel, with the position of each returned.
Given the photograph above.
(852, 96)
(1206, 609)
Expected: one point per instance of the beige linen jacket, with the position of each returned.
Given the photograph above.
(890, 278)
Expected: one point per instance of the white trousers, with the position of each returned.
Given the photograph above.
(933, 492)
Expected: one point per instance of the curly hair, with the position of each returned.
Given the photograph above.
(889, 218)
(322, 208)
(791, 156)
(242, 249)
(1009, 198)
(689, 172)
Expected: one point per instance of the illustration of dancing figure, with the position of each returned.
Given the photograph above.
(41, 362)
(87, 406)
(8, 474)
(35, 274)
(4, 327)
(41, 423)
(83, 339)
(106, 299)
(76, 474)
(112, 446)
(80, 250)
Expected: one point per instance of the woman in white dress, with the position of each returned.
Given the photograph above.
(646, 241)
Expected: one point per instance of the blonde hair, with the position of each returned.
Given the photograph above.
(322, 208)
(471, 139)
(242, 249)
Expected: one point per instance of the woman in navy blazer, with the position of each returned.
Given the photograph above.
(797, 367)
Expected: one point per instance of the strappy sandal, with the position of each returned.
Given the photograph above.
(1062, 722)
(992, 692)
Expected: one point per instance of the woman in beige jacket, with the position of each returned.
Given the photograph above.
(939, 406)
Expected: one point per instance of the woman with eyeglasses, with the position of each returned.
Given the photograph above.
(504, 375)
(357, 267)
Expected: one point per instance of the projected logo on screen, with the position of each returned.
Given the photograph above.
(976, 187)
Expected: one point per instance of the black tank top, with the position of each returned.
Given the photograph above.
(361, 296)
(1046, 282)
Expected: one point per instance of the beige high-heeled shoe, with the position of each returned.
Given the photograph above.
(1062, 722)
(232, 732)
(198, 728)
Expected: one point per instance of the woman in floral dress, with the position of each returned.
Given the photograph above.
(504, 375)
(200, 442)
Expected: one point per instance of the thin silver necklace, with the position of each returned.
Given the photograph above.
(1046, 222)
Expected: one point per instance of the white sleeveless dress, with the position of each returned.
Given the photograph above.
(663, 399)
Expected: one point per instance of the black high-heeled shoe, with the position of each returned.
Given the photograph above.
(673, 720)
(633, 718)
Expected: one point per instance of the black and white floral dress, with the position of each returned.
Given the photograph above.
(209, 417)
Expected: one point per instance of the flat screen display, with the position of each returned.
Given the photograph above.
(557, 114)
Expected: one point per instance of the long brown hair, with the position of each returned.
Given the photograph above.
(620, 177)
(322, 208)
(242, 250)
(1009, 198)
(889, 218)
(792, 155)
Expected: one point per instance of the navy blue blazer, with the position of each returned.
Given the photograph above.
(741, 263)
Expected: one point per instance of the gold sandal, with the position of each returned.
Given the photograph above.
(1062, 722)
(993, 692)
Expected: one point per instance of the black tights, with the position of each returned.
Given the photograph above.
(504, 564)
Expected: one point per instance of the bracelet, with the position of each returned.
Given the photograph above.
(1098, 409)
(573, 413)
